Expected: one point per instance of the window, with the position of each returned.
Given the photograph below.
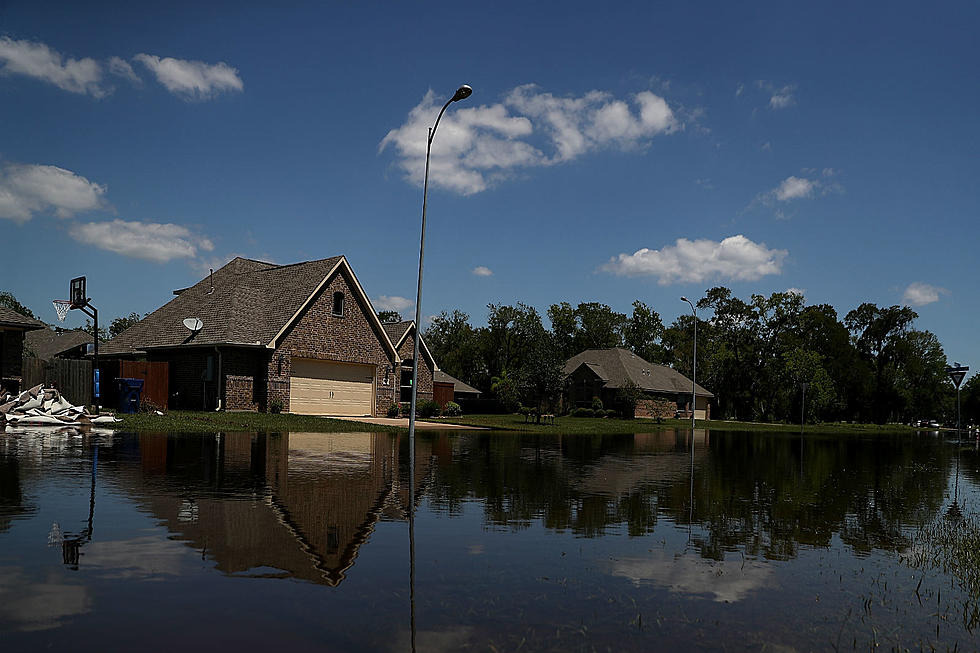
(338, 304)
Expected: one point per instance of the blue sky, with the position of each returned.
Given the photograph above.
(608, 153)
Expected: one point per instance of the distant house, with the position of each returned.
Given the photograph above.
(448, 388)
(602, 372)
(301, 337)
(48, 344)
(13, 326)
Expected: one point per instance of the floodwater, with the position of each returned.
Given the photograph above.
(301, 542)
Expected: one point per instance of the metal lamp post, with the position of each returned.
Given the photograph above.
(694, 370)
(462, 93)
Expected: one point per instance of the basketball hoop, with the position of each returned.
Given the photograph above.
(61, 307)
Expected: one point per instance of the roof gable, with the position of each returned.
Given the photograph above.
(11, 318)
(399, 332)
(48, 343)
(245, 303)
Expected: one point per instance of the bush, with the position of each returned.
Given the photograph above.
(583, 412)
(611, 412)
(275, 406)
(405, 408)
(429, 409)
(393, 410)
(596, 404)
(148, 406)
(453, 409)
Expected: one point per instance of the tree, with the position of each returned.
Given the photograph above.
(90, 329)
(599, 327)
(455, 346)
(7, 299)
(563, 328)
(643, 332)
(389, 317)
(120, 324)
(628, 396)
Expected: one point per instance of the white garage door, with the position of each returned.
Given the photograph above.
(328, 388)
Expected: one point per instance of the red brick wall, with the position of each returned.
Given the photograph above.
(659, 407)
(244, 372)
(187, 370)
(350, 338)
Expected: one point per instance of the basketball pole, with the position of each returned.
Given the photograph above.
(95, 364)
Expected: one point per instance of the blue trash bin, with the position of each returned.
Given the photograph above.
(129, 395)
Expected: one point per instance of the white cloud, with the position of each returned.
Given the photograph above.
(479, 145)
(192, 79)
(393, 303)
(920, 294)
(720, 580)
(482, 271)
(695, 261)
(793, 188)
(41, 62)
(26, 189)
(151, 241)
(121, 68)
(796, 291)
(780, 97)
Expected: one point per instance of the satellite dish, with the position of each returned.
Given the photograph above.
(193, 324)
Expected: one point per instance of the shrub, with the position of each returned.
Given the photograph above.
(405, 408)
(453, 409)
(583, 412)
(596, 404)
(148, 406)
(393, 410)
(611, 412)
(275, 406)
(429, 409)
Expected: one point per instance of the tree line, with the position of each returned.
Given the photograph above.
(754, 354)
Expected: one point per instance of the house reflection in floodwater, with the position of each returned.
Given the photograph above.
(290, 505)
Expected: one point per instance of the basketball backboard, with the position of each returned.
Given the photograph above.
(77, 292)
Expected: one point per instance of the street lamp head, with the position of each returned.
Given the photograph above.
(462, 93)
(685, 299)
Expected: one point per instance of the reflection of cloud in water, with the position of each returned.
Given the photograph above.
(728, 580)
(143, 558)
(29, 605)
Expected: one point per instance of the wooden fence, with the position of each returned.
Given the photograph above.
(72, 378)
(156, 379)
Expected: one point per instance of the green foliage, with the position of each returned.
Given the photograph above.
(392, 410)
(596, 403)
(429, 408)
(583, 412)
(275, 406)
(453, 409)
(505, 389)
(628, 395)
(120, 324)
(390, 317)
(8, 300)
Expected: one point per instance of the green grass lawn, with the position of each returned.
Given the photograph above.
(212, 422)
(591, 425)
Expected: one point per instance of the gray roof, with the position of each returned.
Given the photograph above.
(250, 304)
(614, 366)
(11, 318)
(396, 330)
(48, 343)
(441, 377)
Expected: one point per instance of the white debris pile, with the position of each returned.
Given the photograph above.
(41, 405)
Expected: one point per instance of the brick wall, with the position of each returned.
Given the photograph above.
(240, 393)
(244, 372)
(656, 407)
(322, 335)
(187, 374)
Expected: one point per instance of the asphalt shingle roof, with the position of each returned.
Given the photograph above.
(616, 365)
(441, 377)
(48, 343)
(11, 318)
(251, 301)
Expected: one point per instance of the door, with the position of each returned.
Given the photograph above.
(329, 388)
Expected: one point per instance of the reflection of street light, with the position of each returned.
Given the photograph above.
(694, 369)
(462, 93)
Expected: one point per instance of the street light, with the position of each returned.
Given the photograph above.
(694, 369)
(461, 93)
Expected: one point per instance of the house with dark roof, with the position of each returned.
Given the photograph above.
(49, 343)
(602, 372)
(457, 390)
(13, 326)
(303, 338)
(402, 335)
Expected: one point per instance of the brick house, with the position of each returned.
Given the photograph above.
(303, 338)
(402, 335)
(48, 344)
(601, 372)
(13, 326)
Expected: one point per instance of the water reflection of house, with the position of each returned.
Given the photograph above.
(296, 505)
